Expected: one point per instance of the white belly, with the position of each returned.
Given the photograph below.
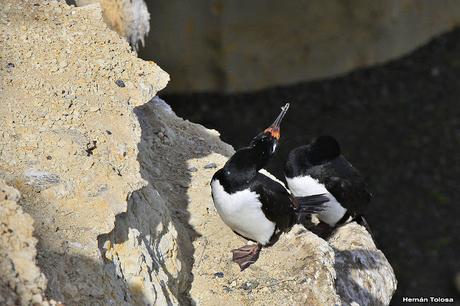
(242, 212)
(306, 186)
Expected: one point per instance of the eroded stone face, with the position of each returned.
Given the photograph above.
(21, 281)
(129, 18)
(69, 136)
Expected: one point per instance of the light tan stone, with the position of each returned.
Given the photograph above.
(129, 18)
(21, 281)
(74, 166)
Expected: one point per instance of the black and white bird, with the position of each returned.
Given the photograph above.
(252, 202)
(320, 168)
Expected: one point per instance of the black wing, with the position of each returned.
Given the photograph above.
(277, 203)
(344, 182)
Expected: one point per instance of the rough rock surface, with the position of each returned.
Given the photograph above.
(68, 136)
(129, 18)
(154, 235)
(364, 275)
(21, 282)
(245, 45)
(118, 185)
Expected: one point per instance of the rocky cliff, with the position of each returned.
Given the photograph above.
(117, 186)
(21, 281)
(129, 18)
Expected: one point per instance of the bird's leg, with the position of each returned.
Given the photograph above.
(246, 255)
(322, 229)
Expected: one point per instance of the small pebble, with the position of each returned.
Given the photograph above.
(49, 157)
(120, 83)
(10, 65)
(219, 274)
(37, 299)
(192, 169)
(249, 285)
(210, 166)
(108, 132)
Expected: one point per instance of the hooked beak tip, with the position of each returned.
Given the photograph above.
(274, 129)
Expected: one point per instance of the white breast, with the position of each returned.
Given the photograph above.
(242, 212)
(302, 186)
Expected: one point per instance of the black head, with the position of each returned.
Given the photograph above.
(266, 143)
(324, 148)
(242, 167)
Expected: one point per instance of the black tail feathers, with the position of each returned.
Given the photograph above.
(311, 204)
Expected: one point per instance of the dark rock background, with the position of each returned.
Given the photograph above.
(399, 123)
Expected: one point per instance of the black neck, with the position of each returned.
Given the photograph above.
(241, 169)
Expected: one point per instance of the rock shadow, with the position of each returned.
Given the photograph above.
(77, 286)
(160, 207)
(347, 288)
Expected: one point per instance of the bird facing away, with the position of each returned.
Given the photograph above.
(255, 205)
(320, 168)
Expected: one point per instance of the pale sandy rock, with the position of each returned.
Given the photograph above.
(68, 136)
(129, 18)
(21, 281)
(154, 234)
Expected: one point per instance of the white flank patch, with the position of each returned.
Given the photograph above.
(303, 186)
(333, 212)
(242, 212)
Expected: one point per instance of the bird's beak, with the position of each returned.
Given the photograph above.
(274, 129)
